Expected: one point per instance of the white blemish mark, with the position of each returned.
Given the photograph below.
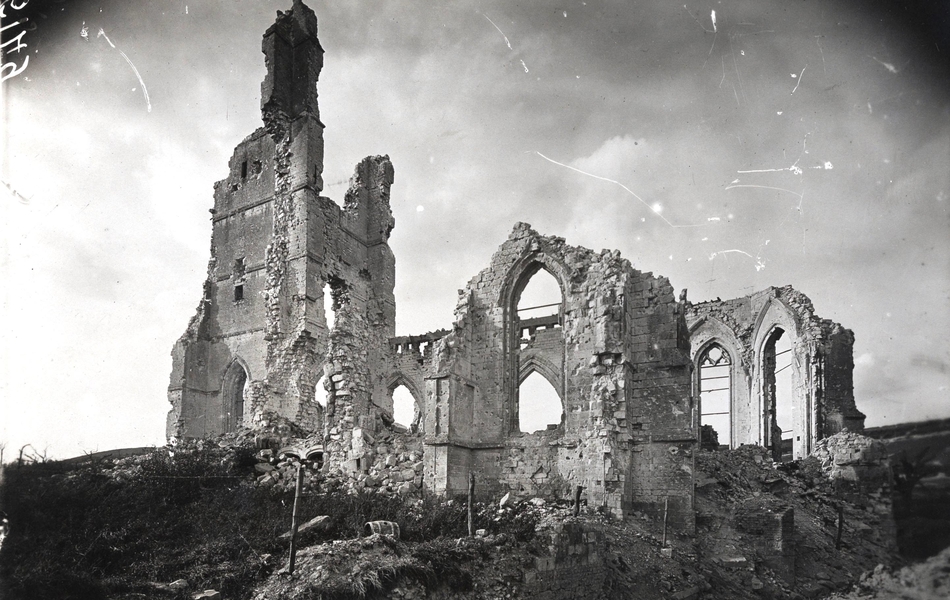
(671, 257)
(420, 208)
(84, 32)
(186, 9)
(696, 19)
(712, 17)
(778, 112)
(738, 75)
(759, 265)
(148, 102)
(794, 75)
(799, 77)
(795, 170)
(723, 71)
(526, 68)
(18, 195)
(713, 219)
(705, 239)
(741, 52)
(565, 14)
(625, 188)
(657, 208)
(870, 110)
(818, 41)
(891, 68)
(764, 187)
(715, 35)
(499, 31)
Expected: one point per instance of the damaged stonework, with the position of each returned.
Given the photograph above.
(772, 372)
(260, 341)
(632, 367)
(616, 353)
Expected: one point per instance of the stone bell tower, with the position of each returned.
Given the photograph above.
(260, 341)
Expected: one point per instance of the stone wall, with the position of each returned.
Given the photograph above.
(858, 465)
(821, 365)
(276, 246)
(572, 565)
(770, 526)
(617, 354)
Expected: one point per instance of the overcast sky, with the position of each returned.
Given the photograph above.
(770, 143)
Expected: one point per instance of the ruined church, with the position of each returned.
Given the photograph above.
(639, 373)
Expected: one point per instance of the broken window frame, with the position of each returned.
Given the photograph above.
(521, 278)
(234, 387)
(725, 360)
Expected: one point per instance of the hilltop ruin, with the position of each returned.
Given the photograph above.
(638, 372)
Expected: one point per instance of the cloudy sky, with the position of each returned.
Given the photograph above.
(727, 145)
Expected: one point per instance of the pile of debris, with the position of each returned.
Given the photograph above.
(927, 580)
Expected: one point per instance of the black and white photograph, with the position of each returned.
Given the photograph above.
(603, 299)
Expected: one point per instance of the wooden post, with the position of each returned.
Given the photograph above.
(293, 519)
(471, 496)
(577, 499)
(666, 507)
(840, 527)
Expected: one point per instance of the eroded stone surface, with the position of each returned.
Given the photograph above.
(616, 349)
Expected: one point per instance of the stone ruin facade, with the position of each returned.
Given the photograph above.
(740, 349)
(625, 357)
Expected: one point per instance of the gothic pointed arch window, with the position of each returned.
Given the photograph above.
(778, 394)
(405, 408)
(539, 404)
(715, 394)
(233, 391)
(536, 311)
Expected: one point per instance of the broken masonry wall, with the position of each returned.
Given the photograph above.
(482, 362)
(769, 524)
(727, 324)
(835, 371)
(571, 564)
(407, 362)
(365, 317)
(820, 362)
(227, 328)
(657, 415)
(276, 244)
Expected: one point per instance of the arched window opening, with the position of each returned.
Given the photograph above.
(320, 393)
(539, 405)
(715, 393)
(234, 389)
(777, 379)
(539, 306)
(404, 406)
(329, 310)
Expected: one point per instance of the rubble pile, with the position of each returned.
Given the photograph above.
(927, 580)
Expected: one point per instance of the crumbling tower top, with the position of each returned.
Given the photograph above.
(294, 58)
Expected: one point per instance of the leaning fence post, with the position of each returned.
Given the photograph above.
(471, 495)
(293, 519)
